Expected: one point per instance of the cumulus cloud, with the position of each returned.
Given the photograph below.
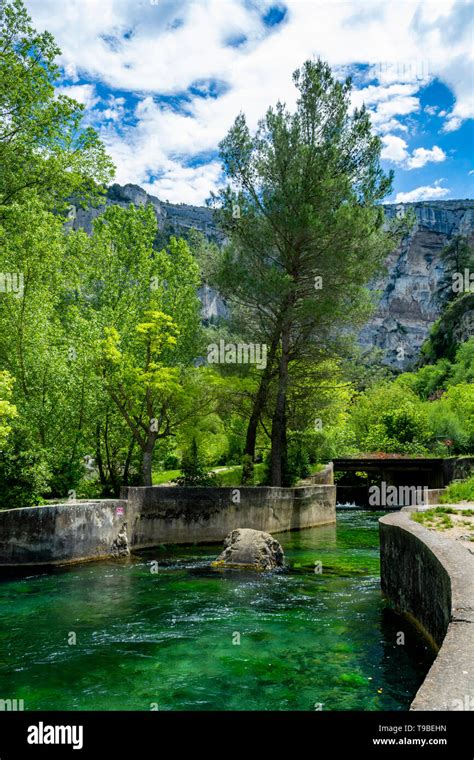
(422, 156)
(395, 149)
(83, 93)
(424, 193)
(189, 48)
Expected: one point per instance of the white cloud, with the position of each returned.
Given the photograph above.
(395, 149)
(83, 93)
(183, 184)
(150, 50)
(115, 109)
(422, 156)
(424, 193)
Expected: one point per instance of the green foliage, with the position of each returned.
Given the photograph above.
(24, 475)
(455, 326)
(248, 470)
(462, 370)
(298, 461)
(427, 380)
(7, 410)
(457, 491)
(452, 417)
(193, 469)
(438, 518)
(422, 412)
(43, 147)
(232, 477)
(389, 417)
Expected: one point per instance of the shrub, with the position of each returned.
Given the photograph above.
(248, 470)
(24, 476)
(462, 490)
(193, 470)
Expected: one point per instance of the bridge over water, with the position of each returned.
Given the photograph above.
(355, 475)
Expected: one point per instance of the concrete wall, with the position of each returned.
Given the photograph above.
(431, 578)
(324, 476)
(434, 495)
(190, 515)
(60, 532)
(145, 517)
(457, 468)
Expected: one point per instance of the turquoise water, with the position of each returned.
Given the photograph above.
(168, 640)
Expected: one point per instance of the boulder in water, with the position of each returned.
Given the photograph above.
(252, 549)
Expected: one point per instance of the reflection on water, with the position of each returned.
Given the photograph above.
(170, 639)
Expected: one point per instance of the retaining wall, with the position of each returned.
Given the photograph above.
(146, 517)
(60, 532)
(431, 578)
(190, 515)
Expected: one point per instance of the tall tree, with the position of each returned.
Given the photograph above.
(43, 146)
(140, 311)
(302, 215)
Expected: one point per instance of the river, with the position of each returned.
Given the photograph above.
(164, 631)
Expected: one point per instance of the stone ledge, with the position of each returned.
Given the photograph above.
(147, 517)
(431, 578)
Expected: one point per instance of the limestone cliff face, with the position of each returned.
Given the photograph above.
(412, 289)
(173, 219)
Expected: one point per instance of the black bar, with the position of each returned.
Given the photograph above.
(131, 734)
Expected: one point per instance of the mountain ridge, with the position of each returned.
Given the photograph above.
(413, 288)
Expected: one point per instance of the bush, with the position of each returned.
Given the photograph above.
(24, 477)
(171, 462)
(452, 417)
(193, 470)
(248, 471)
(462, 490)
(390, 417)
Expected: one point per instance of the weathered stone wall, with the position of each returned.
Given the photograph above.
(189, 515)
(61, 533)
(431, 578)
(324, 476)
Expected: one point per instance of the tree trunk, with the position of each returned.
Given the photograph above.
(98, 459)
(260, 400)
(279, 452)
(147, 459)
(128, 461)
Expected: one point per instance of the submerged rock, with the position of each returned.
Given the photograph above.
(253, 549)
(120, 546)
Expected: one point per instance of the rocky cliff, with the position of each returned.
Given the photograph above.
(173, 219)
(412, 289)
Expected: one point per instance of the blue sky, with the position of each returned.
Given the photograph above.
(162, 81)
